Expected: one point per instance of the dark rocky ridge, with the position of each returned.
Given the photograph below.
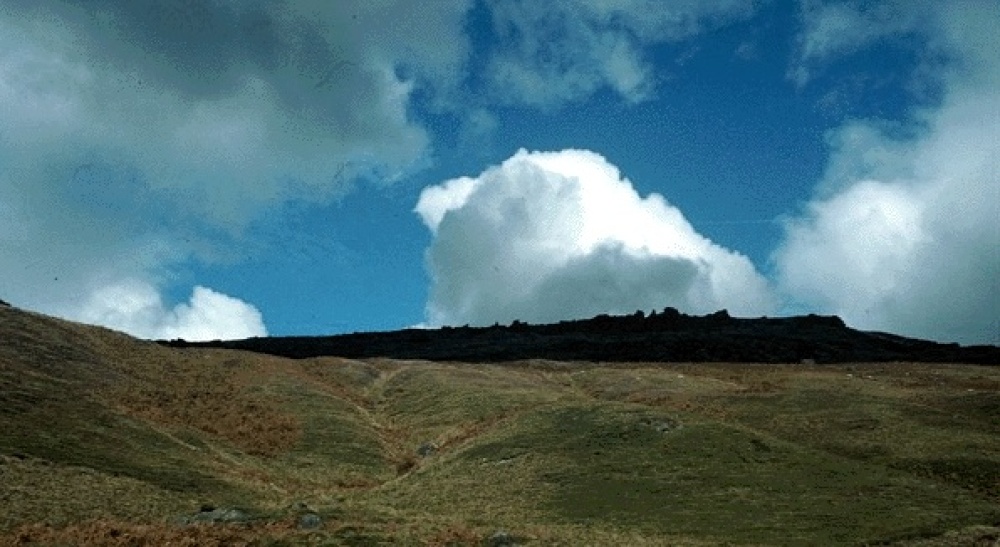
(668, 336)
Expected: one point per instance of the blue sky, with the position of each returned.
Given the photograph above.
(216, 170)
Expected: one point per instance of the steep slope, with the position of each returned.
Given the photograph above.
(185, 428)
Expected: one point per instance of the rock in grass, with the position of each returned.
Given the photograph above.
(661, 426)
(211, 515)
(427, 449)
(310, 521)
(502, 538)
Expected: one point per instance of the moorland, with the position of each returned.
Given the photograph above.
(106, 439)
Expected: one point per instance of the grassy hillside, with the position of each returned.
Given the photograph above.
(105, 439)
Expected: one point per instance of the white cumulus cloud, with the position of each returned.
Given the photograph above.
(904, 234)
(136, 307)
(554, 235)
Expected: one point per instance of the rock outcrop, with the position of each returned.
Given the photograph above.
(667, 336)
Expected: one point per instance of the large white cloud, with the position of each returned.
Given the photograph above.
(136, 307)
(550, 236)
(207, 100)
(903, 235)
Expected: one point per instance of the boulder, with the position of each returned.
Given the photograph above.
(501, 538)
(310, 521)
(211, 515)
(427, 449)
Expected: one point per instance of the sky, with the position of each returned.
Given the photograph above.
(206, 169)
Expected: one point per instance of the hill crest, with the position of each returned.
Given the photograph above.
(667, 336)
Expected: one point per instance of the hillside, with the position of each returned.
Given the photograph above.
(669, 336)
(105, 439)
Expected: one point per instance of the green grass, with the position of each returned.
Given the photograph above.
(624, 467)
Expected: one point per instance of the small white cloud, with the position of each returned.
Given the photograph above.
(435, 201)
(136, 307)
(564, 50)
(747, 51)
(550, 236)
(832, 29)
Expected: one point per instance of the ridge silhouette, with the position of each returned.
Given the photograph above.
(666, 336)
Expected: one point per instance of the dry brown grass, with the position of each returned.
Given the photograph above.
(112, 533)
(204, 394)
(39, 490)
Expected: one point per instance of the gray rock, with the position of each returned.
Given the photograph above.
(209, 514)
(232, 515)
(501, 538)
(660, 426)
(427, 449)
(310, 521)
